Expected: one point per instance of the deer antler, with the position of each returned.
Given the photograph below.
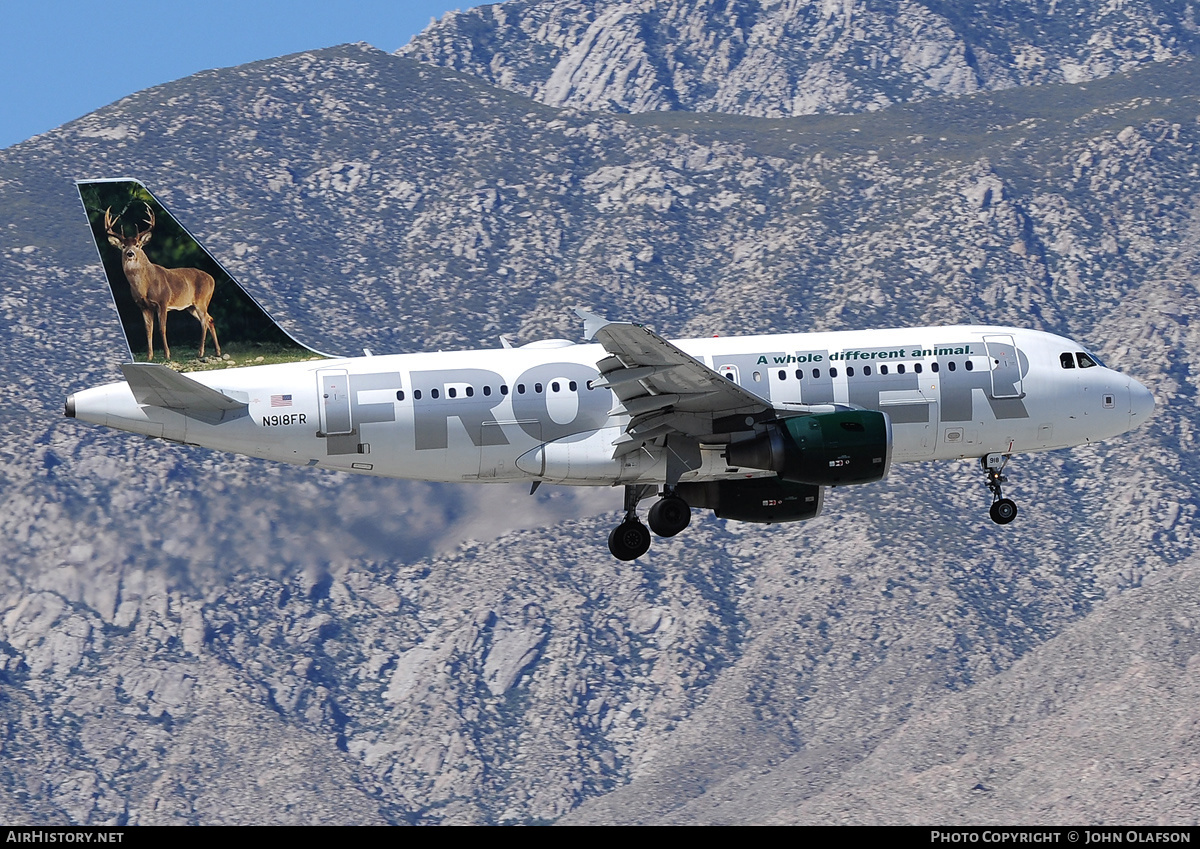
(149, 221)
(110, 223)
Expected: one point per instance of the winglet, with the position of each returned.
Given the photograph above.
(158, 386)
(591, 322)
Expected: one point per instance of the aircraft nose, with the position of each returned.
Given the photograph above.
(1141, 403)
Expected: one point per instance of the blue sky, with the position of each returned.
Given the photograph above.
(60, 59)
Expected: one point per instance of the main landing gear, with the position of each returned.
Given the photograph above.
(1003, 510)
(669, 515)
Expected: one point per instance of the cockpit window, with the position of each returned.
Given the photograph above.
(1067, 360)
(1085, 361)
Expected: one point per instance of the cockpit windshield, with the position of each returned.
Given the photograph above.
(1085, 360)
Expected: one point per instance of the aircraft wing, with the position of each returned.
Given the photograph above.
(158, 386)
(667, 392)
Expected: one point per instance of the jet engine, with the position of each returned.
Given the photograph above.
(826, 449)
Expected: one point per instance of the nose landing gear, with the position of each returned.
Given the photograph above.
(1003, 510)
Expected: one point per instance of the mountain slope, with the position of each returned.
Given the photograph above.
(1096, 725)
(772, 58)
(150, 593)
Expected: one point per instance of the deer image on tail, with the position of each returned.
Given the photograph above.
(156, 290)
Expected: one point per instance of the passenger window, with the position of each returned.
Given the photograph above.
(470, 391)
(799, 374)
(417, 394)
(433, 393)
(1067, 360)
(758, 377)
(900, 369)
(866, 371)
(520, 388)
(572, 386)
(833, 372)
(934, 367)
(1085, 361)
(729, 375)
(883, 369)
(917, 368)
(849, 371)
(487, 390)
(503, 389)
(537, 387)
(782, 374)
(950, 365)
(970, 366)
(452, 392)
(816, 372)
(554, 386)
(400, 395)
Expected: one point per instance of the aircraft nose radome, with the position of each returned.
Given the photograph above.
(1141, 403)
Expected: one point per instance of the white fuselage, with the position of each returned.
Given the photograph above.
(530, 414)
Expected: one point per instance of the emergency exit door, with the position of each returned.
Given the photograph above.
(1006, 367)
(334, 390)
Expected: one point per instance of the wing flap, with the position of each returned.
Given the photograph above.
(674, 401)
(642, 364)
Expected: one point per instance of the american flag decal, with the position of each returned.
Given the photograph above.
(281, 400)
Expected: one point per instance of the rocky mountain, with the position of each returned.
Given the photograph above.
(191, 637)
(1097, 725)
(776, 58)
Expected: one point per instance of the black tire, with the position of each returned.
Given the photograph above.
(629, 540)
(669, 516)
(1003, 511)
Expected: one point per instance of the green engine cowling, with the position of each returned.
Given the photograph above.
(825, 449)
(761, 500)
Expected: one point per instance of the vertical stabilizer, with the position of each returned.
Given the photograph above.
(176, 303)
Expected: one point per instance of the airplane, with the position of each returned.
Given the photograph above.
(753, 428)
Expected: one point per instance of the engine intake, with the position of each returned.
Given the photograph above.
(826, 449)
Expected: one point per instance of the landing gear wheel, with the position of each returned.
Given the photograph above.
(1003, 511)
(629, 540)
(669, 515)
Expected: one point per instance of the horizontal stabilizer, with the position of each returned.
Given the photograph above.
(158, 386)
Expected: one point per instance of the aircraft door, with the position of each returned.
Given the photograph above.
(334, 388)
(1005, 366)
(914, 424)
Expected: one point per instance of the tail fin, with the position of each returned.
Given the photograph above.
(172, 296)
